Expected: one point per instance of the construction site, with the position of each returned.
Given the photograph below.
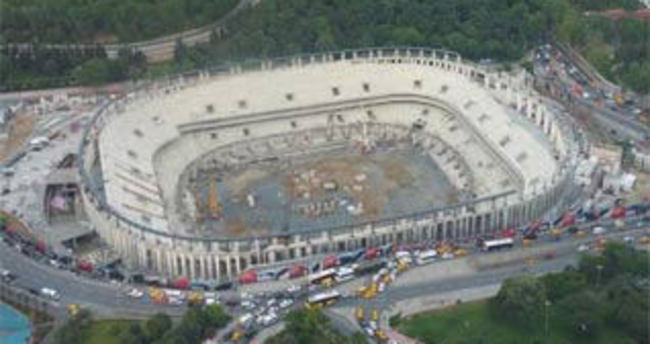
(316, 189)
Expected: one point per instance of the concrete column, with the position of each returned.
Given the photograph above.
(237, 260)
(228, 268)
(159, 265)
(217, 261)
(258, 250)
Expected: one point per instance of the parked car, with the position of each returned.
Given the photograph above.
(50, 293)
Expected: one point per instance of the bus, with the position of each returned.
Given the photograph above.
(319, 277)
(426, 257)
(323, 299)
(497, 244)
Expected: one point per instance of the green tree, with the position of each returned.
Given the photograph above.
(72, 331)
(156, 326)
(520, 300)
(561, 284)
(583, 312)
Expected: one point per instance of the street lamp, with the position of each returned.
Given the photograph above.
(547, 304)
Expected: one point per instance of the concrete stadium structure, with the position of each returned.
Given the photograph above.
(489, 132)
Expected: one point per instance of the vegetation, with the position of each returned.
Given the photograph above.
(312, 327)
(494, 29)
(104, 20)
(197, 324)
(603, 301)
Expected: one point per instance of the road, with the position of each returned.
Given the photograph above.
(161, 48)
(430, 280)
(568, 70)
(104, 299)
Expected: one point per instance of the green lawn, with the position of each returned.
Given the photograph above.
(105, 331)
(473, 323)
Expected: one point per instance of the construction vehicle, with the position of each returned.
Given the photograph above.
(360, 314)
(157, 295)
(581, 234)
(368, 292)
(73, 309)
(387, 279)
(618, 98)
(237, 335)
(402, 265)
(381, 336)
(328, 282)
(556, 233)
(375, 314)
(460, 252)
(194, 298)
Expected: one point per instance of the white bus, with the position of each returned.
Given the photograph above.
(426, 257)
(319, 277)
(497, 244)
(344, 274)
(323, 299)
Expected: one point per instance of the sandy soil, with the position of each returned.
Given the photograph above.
(21, 126)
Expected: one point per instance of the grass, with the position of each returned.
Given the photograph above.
(473, 323)
(105, 331)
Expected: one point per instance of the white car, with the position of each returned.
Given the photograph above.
(448, 255)
(628, 239)
(175, 301)
(135, 293)
(286, 303)
(50, 293)
(271, 302)
(583, 248)
(210, 301)
(247, 304)
(369, 331)
(293, 288)
(598, 230)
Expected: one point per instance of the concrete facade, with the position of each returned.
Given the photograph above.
(497, 115)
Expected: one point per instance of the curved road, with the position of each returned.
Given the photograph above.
(161, 48)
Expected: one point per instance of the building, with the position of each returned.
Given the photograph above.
(492, 137)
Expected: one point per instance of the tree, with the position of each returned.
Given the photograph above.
(559, 285)
(217, 316)
(72, 331)
(134, 335)
(521, 300)
(156, 326)
(583, 312)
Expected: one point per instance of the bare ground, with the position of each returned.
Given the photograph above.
(21, 127)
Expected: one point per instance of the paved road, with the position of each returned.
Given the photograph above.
(102, 298)
(109, 300)
(624, 124)
(161, 48)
